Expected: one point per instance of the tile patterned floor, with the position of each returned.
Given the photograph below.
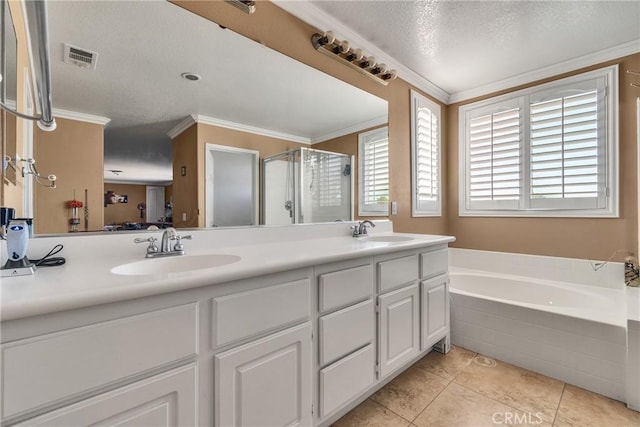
(464, 389)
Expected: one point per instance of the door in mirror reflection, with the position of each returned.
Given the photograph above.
(306, 185)
(232, 187)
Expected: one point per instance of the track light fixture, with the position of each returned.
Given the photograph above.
(355, 58)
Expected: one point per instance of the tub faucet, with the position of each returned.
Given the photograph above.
(631, 273)
(361, 229)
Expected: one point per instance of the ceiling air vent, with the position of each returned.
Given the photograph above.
(82, 58)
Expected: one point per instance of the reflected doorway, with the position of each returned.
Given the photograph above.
(231, 186)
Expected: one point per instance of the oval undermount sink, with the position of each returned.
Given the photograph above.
(388, 239)
(174, 264)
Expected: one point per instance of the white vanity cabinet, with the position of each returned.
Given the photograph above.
(434, 296)
(297, 347)
(266, 382)
(346, 332)
(398, 311)
(164, 400)
(51, 369)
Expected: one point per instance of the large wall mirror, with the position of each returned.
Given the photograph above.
(8, 84)
(248, 96)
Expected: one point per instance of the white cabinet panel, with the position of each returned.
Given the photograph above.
(345, 379)
(340, 288)
(266, 382)
(433, 263)
(84, 358)
(165, 400)
(345, 331)
(250, 313)
(435, 310)
(397, 272)
(399, 336)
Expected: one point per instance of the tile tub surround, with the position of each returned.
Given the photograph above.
(569, 270)
(581, 352)
(477, 395)
(596, 350)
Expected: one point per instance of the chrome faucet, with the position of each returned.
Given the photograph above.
(361, 229)
(168, 235)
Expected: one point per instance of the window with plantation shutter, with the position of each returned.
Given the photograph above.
(425, 154)
(550, 150)
(495, 158)
(330, 177)
(373, 173)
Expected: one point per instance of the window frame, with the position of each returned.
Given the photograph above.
(434, 207)
(610, 157)
(378, 209)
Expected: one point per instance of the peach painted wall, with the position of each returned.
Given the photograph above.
(125, 212)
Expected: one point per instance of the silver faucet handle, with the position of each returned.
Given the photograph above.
(179, 246)
(152, 248)
(356, 231)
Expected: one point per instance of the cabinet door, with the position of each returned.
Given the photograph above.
(167, 399)
(266, 382)
(399, 337)
(435, 310)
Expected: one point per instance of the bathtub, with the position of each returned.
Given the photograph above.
(570, 332)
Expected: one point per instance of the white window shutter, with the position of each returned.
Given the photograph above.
(548, 150)
(373, 173)
(567, 150)
(426, 160)
(495, 160)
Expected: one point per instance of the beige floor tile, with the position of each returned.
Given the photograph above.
(371, 414)
(446, 365)
(460, 407)
(410, 392)
(519, 388)
(582, 408)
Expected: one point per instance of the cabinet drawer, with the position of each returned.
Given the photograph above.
(341, 288)
(397, 272)
(346, 330)
(251, 313)
(346, 379)
(434, 263)
(44, 369)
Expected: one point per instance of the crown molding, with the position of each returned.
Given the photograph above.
(81, 117)
(181, 127)
(318, 18)
(604, 55)
(197, 118)
(70, 115)
(249, 129)
(382, 120)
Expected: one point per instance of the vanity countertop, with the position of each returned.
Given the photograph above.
(84, 281)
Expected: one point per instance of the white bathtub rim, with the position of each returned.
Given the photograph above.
(614, 314)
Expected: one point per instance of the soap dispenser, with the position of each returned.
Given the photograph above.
(17, 243)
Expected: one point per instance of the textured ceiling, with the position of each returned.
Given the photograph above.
(463, 45)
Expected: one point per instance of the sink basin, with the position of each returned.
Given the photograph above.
(387, 239)
(175, 264)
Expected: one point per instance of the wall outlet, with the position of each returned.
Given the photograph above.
(394, 208)
(184, 216)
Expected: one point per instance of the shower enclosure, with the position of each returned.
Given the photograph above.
(306, 185)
